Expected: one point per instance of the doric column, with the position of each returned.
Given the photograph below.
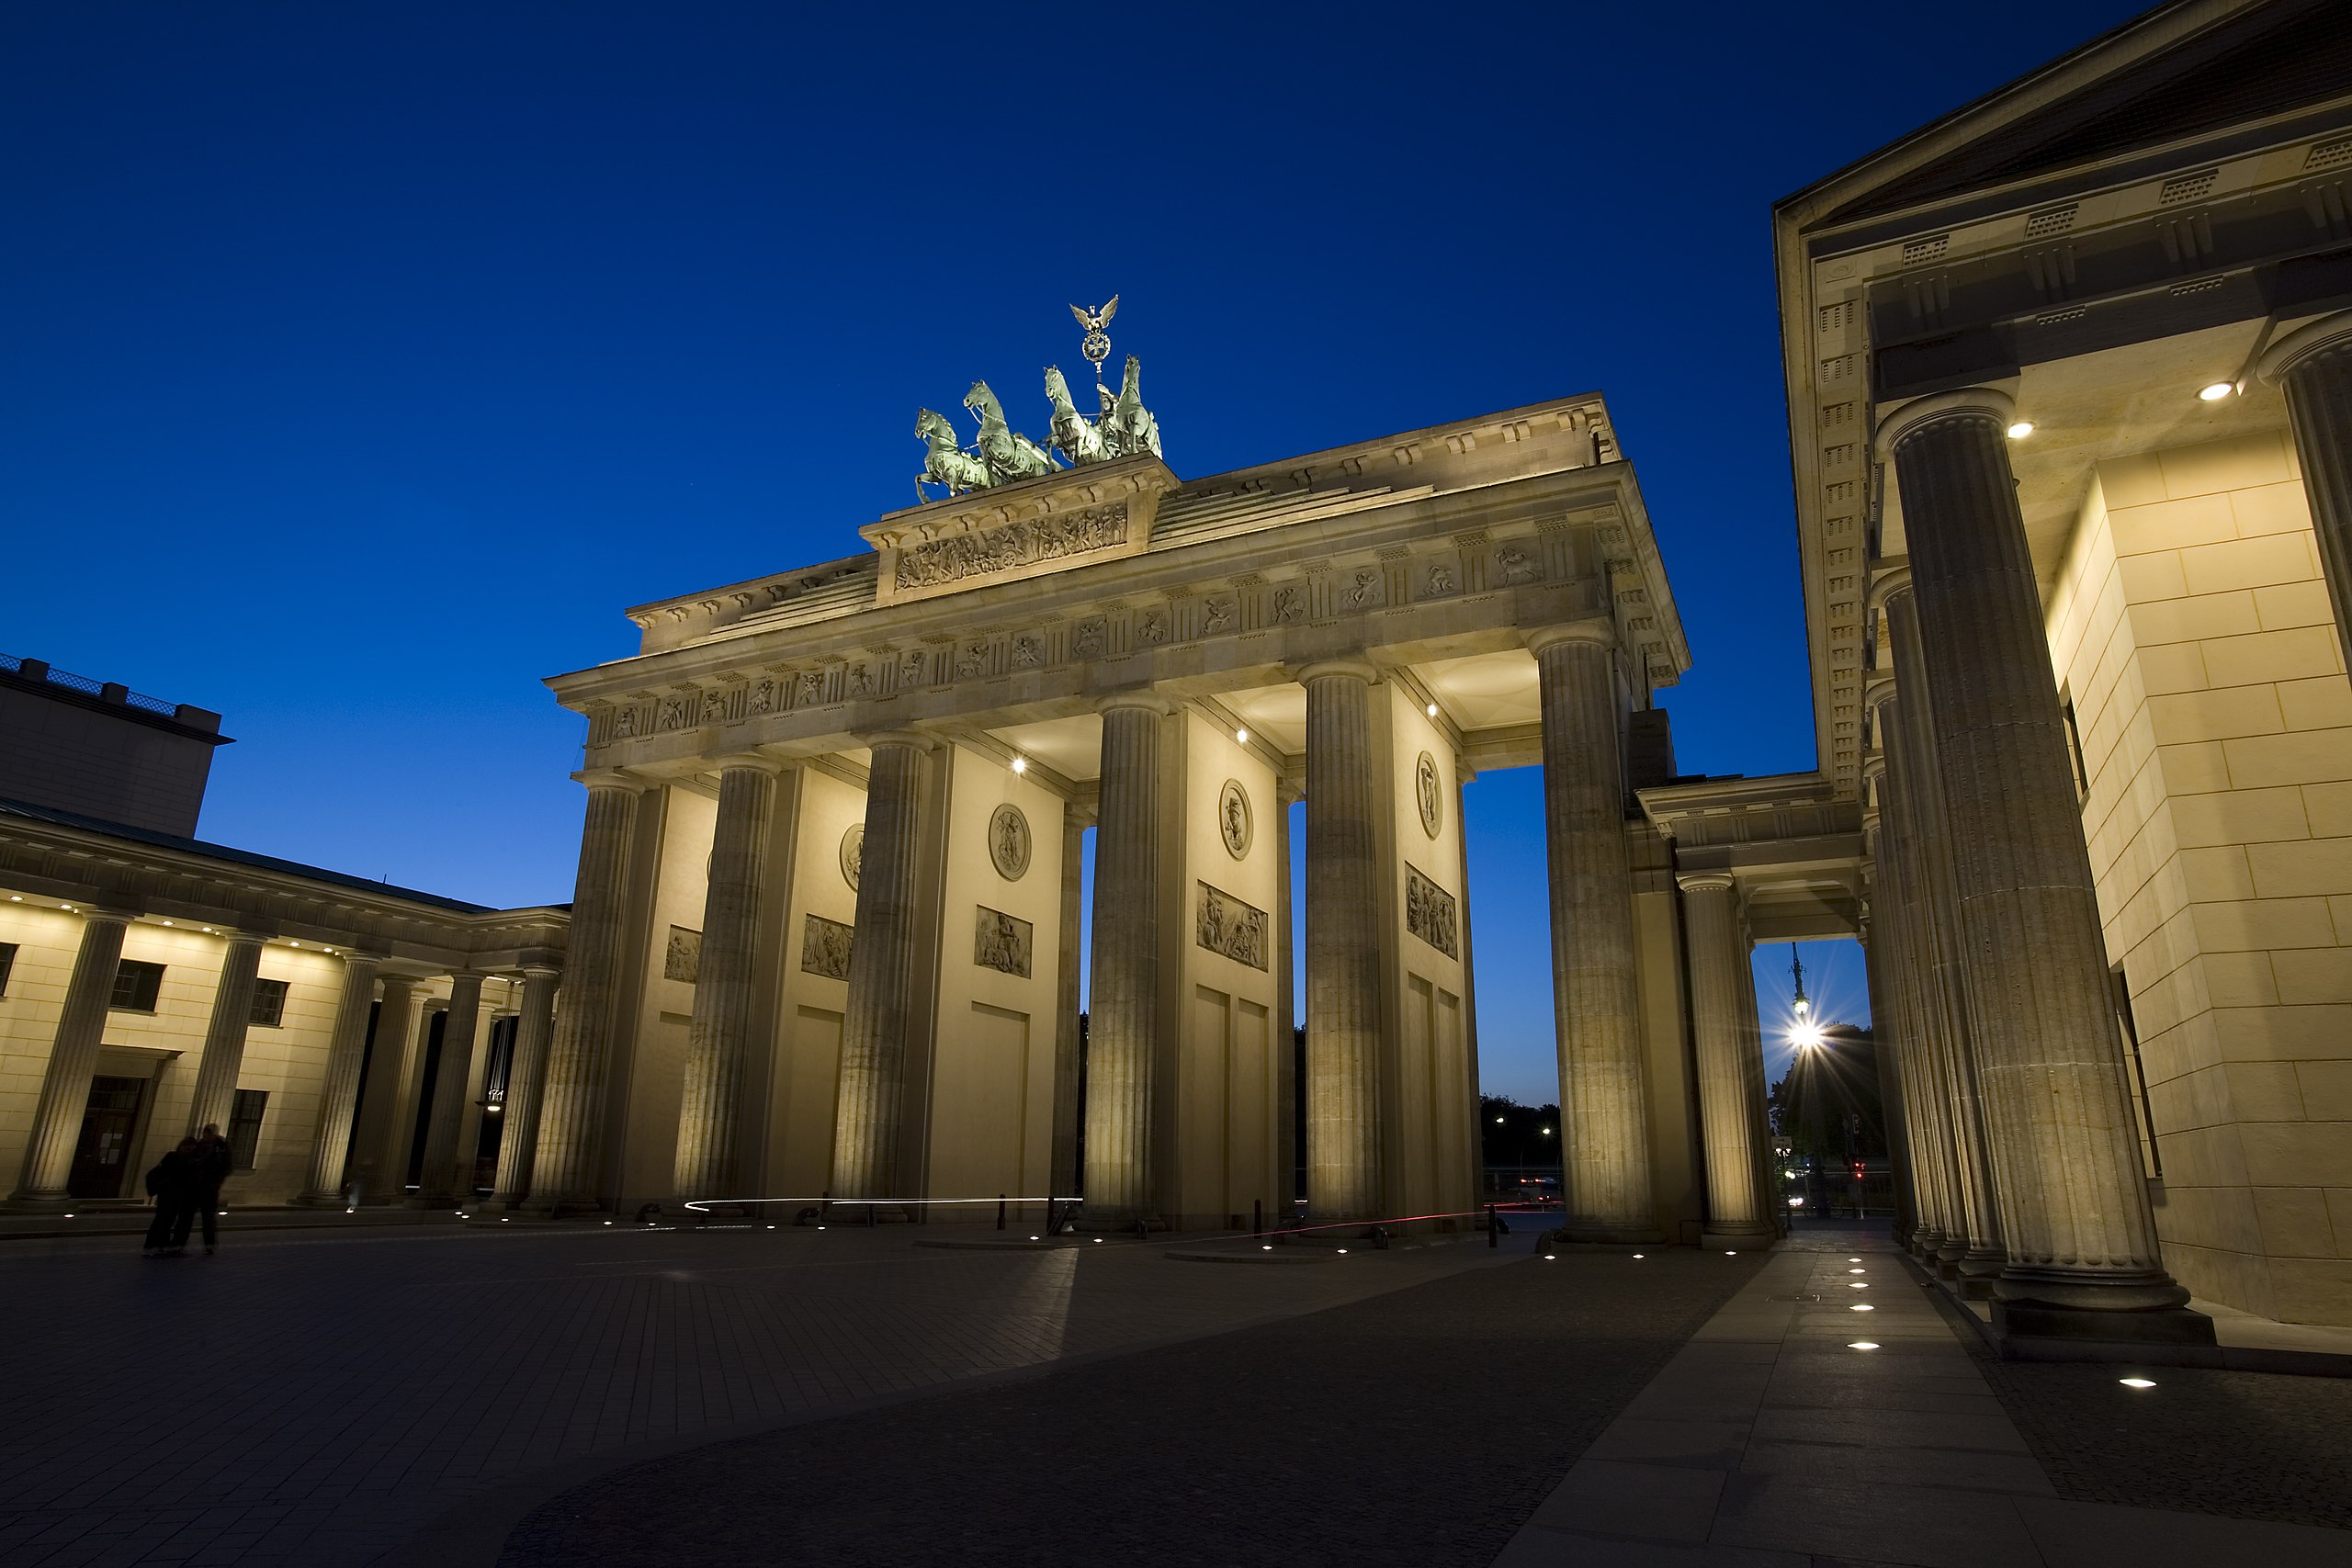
(1604, 1131)
(225, 1036)
(1719, 973)
(73, 1054)
(719, 1043)
(379, 1150)
(1979, 1255)
(568, 1160)
(1891, 1045)
(1068, 972)
(339, 1096)
(2313, 366)
(1343, 969)
(2082, 1238)
(446, 1180)
(881, 973)
(1122, 1040)
(518, 1142)
(1936, 1182)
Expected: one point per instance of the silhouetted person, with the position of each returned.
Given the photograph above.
(213, 1160)
(177, 1184)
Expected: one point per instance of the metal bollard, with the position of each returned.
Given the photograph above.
(1492, 1234)
(999, 1211)
(1257, 1216)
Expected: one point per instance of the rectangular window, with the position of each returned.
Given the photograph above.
(136, 986)
(244, 1127)
(2075, 746)
(2152, 1165)
(8, 962)
(269, 1004)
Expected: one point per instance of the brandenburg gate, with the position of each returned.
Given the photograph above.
(827, 925)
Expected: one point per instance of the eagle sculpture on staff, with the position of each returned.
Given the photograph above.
(1097, 347)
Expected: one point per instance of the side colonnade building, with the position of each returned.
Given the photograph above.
(2070, 385)
(351, 1039)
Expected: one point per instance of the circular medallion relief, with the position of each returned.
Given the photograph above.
(1233, 818)
(1425, 786)
(1008, 842)
(852, 854)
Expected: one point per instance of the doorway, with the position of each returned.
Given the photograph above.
(110, 1122)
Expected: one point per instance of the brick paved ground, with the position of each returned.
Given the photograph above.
(1416, 1428)
(2248, 1445)
(314, 1400)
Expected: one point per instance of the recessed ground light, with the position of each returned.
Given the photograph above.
(2215, 391)
(1549, 1257)
(1731, 1255)
(1856, 1270)
(1343, 1252)
(1861, 1306)
(167, 922)
(2136, 1382)
(1856, 1285)
(1639, 1256)
(1853, 1260)
(2020, 429)
(1862, 1345)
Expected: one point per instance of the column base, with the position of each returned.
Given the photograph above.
(1738, 1241)
(39, 1203)
(1976, 1271)
(2031, 1332)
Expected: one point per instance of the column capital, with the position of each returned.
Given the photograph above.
(1363, 670)
(2312, 337)
(1600, 633)
(754, 761)
(120, 914)
(914, 740)
(1970, 402)
(1145, 698)
(1887, 585)
(1874, 766)
(1878, 689)
(613, 778)
(1705, 881)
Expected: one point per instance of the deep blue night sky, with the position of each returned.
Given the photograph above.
(363, 361)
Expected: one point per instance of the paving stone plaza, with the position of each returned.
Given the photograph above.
(666, 1397)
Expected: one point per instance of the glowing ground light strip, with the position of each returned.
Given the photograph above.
(1856, 1270)
(1861, 1306)
(2136, 1382)
(1856, 1285)
(1862, 1345)
(1550, 1256)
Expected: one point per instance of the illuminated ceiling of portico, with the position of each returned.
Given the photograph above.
(1486, 691)
(2094, 407)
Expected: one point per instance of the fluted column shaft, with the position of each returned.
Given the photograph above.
(1123, 1041)
(73, 1056)
(525, 1085)
(1981, 1254)
(881, 976)
(1894, 1062)
(718, 1042)
(379, 1149)
(224, 1034)
(1726, 1084)
(446, 1180)
(1343, 969)
(568, 1163)
(2314, 366)
(1068, 972)
(339, 1096)
(2073, 1206)
(1596, 1005)
(1929, 1110)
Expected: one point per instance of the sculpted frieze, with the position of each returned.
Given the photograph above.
(1430, 914)
(1026, 543)
(1001, 942)
(1226, 925)
(824, 948)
